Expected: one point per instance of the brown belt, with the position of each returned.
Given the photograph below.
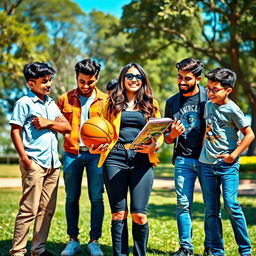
(83, 148)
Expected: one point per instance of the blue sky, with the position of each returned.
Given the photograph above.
(113, 7)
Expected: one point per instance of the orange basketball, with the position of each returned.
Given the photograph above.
(96, 131)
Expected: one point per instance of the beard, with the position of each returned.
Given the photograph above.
(85, 93)
(189, 89)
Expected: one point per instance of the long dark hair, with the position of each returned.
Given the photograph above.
(143, 100)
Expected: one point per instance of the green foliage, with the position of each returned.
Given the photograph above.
(217, 32)
(48, 31)
(18, 45)
(63, 23)
(156, 34)
(248, 164)
(150, 32)
(101, 44)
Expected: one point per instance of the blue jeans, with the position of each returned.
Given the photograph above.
(73, 174)
(185, 173)
(212, 177)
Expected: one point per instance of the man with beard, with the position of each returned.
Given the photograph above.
(187, 144)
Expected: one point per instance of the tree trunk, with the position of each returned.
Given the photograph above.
(252, 148)
(235, 66)
(234, 47)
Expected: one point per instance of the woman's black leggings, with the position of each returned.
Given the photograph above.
(127, 170)
(123, 170)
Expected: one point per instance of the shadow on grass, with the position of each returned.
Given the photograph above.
(169, 253)
(249, 212)
(168, 210)
(164, 211)
(159, 252)
(54, 248)
(164, 192)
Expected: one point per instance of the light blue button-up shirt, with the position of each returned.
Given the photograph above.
(40, 145)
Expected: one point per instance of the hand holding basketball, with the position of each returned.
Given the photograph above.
(98, 150)
(96, 131)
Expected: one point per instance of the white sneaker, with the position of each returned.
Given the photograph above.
(71, 249)
(94, 249)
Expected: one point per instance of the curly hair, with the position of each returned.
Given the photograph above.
(143, 99)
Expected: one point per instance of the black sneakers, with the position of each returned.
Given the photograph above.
(207, 252)
(45, 253)
(183, 252)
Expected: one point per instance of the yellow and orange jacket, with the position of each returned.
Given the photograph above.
(116, 122)
(70, 105)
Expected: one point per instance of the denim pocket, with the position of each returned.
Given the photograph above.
(223, 167)
(179, 160)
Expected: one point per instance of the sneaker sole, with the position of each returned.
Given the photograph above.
(101, 254)
(76, 251)
(95, 254)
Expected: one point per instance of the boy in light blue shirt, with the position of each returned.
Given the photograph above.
(220, 162)
(35, 121)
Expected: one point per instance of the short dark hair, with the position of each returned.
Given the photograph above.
(225, 76)
(190, 64)
(34, 70)
(112, 84)
(87, 67)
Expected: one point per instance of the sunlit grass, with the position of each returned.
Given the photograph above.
(163, 238)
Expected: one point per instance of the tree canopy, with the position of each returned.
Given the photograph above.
(220, 33)
(156, 34)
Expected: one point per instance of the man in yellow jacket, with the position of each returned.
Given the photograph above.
(78, 105)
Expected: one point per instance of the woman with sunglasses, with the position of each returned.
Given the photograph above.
(129, 107)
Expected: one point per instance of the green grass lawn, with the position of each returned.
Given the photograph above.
(161, 171)
(163, 238)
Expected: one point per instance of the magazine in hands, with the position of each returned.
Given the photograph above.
(155, 127)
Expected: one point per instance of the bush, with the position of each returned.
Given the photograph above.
(165, 153)
(9, 158)
(248, 164)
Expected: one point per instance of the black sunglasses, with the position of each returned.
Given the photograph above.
(130, 76)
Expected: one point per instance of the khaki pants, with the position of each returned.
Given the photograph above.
(37, 203)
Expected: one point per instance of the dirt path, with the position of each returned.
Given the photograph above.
(246, 187)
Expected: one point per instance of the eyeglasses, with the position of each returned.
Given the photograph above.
(214, 90)
(130, 76)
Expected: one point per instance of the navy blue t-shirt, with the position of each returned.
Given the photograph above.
(190, 142)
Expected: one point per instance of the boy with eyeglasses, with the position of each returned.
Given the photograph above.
(78, 105)
(220, 162)
(35, 122)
